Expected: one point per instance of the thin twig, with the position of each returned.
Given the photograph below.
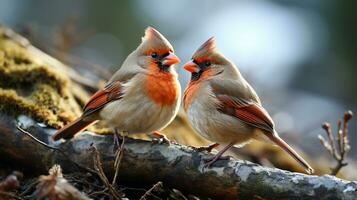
(99, 192)
(29, 187)
(118, 158)
(37, 140)
(98, 167)
(154, 187)
(330, 138)
(340, 140)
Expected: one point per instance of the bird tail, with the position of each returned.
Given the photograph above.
(282, 144)
(71, 129)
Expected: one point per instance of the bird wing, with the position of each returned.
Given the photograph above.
(246, 110)
(112, 91)
(235, 88)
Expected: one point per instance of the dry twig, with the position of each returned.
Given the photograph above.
(89, 184)
(148, 193)
(39, 141)
(119, 155)
(337, 145)
(98, 167)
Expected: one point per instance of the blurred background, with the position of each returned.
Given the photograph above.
(299, 55)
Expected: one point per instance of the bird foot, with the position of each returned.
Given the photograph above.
(117, 138)
(161, 138)
(208, 148)
(209, 161)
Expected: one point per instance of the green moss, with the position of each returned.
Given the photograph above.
(13, 104)
(29, 87)
(17, 68)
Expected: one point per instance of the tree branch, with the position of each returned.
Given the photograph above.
(176, 166)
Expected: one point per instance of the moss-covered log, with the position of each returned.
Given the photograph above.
(177, 166)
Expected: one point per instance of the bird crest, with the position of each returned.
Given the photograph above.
(206, 48)
(156, 40)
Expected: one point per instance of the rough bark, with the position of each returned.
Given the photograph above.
(176, 166)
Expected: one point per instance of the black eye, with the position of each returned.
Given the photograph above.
(154, 55)
(207, 63)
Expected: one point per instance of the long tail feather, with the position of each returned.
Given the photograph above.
(71, 129)
(282, 144)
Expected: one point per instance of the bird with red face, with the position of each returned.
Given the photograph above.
(222, 106)
(143, 96)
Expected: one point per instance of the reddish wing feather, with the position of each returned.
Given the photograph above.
(111, 92)
(254, 115)
(249, 112)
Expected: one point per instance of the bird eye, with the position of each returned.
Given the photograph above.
(154, 55)
(207, 63)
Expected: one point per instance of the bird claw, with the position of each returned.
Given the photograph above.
(116, 141)
(162, 139)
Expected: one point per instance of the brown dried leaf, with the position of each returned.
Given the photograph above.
(55, 187)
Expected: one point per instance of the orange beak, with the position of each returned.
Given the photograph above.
(191, 67)
(171, 59)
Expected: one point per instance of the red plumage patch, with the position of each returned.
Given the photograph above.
(111, 92)
(249, 113)
(161, 87)
(190, 90)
